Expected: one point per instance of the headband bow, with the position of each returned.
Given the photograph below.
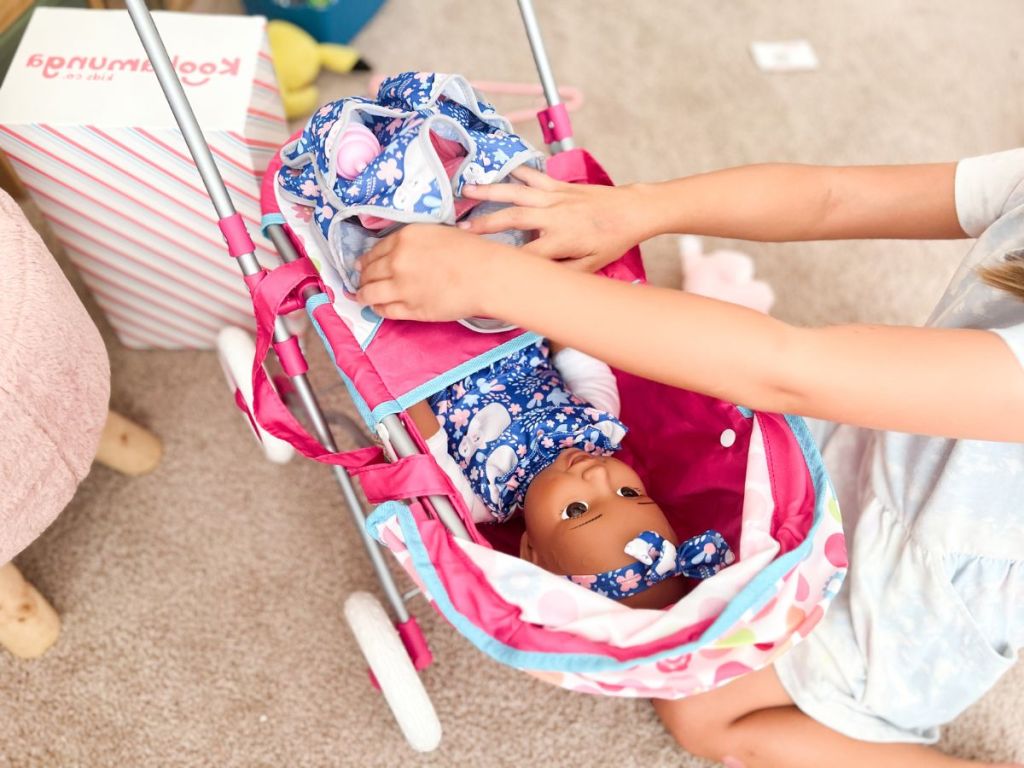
(658, 559)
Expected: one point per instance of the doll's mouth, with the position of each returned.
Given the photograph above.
(587, 522)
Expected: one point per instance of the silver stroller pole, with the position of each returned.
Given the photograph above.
(540, 58)
(186, 120)
(209, 173)
(247, 262)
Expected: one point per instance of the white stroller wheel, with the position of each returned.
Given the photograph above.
(391, 666)
(236, 351)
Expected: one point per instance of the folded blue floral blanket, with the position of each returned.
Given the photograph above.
(407, 182)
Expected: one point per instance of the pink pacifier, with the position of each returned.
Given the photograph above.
(357, 146)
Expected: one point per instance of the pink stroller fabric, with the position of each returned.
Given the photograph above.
(756, 477)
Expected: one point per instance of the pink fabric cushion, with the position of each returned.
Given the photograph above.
(54, 385)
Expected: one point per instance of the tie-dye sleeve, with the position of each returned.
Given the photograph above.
(1014, 338)
(987, 187)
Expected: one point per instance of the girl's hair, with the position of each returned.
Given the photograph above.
(1008, 274)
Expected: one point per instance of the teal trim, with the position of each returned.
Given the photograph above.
(746, 412)
(754, 595)
(381, 515)
(373, 334)
(382, 411)
(361, 405)
(317, 301)
(271, 218)
(457, 373)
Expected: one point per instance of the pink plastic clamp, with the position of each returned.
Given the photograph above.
(415, 643)
(290, 356)
(236, 235)
(554, 123)
(251, 281)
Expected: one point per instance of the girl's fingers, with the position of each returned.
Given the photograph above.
(544, 247)
(499, 221)
(382, 248)
(396, 310)
(381, 292)
(516, 194)
(586, 264)
(378, 269)
(535, 179)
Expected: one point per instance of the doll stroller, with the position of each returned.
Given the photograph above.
(755, 477)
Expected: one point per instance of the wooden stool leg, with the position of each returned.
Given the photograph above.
(28, 623)
(127, 447)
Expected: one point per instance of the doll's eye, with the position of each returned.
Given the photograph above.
(627, 492)
(574, 509)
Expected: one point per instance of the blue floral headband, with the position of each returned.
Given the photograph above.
(658, 559)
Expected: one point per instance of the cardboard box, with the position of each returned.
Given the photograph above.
(86, 127)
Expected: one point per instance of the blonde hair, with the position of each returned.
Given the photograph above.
(1007, 274)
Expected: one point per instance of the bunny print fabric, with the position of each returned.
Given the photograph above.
(435, 134)
(507, 423)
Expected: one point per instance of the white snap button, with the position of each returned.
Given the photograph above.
(728, 438)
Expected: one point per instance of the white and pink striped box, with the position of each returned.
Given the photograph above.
(85, 125)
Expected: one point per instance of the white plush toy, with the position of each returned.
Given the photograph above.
(723, 275)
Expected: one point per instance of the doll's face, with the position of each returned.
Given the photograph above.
(582, 510)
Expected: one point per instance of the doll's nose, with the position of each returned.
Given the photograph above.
(596, 473)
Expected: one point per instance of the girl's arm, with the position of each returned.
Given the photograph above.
(958, 383)
(775, 203)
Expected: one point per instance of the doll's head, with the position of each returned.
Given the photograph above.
(582, 511)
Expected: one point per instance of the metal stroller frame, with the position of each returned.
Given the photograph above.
(557, 135)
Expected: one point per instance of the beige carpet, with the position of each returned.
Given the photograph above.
(202, 604)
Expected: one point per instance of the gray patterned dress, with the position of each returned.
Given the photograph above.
(936, 614)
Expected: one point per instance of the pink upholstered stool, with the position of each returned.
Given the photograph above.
(54, 392)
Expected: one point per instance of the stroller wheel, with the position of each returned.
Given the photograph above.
(394, 671)
(236, 350)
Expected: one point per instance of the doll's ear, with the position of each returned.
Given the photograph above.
(526, 550)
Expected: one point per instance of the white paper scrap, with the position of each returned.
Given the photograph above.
(784, 56)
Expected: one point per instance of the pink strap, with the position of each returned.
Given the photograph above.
(244, 408)
(414, 476)
(350, 358)
(274, 291)
(236, 235)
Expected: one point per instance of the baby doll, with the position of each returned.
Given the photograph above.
(535, 433)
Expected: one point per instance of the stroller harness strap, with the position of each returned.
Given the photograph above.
(413, 476)
(271, 297)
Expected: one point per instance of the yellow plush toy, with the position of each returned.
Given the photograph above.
(298, 58)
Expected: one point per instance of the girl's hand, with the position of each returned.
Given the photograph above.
(427, 272)
(587, 226)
